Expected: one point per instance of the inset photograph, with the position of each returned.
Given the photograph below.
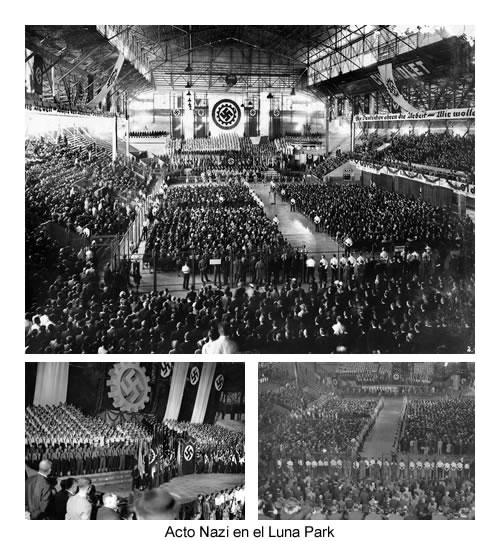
(366, 441)
(134, 441)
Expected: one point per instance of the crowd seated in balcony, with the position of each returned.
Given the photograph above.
(76, 189)
(439, 150)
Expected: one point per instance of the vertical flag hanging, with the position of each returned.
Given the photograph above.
(386, 73)
(110, 82)
(188, 457)
(38, 75)
(190, 392)
(215, 394)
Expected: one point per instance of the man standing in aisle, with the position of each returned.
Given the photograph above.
(186, 274)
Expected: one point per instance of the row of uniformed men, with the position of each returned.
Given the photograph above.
(385, 469)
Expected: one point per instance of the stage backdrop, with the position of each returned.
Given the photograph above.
(51, 383)
(226, 115)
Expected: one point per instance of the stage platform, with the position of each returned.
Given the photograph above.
(186, 488)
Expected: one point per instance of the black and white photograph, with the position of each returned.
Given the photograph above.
(223, 189)
(366, 441)
(134, 441)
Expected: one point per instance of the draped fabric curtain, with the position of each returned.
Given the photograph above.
(176, 391)
(202, 398)
(51, 383)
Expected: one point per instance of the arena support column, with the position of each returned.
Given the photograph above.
(51, 383)
(327, 127)
(176, 391)
(114, 142)
(203, 393)
(127, 137)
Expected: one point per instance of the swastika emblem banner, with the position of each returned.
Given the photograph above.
(226, 114)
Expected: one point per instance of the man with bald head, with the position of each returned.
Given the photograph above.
(38, 492)
(109, 509)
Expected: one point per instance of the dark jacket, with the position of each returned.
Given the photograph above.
(37, 496)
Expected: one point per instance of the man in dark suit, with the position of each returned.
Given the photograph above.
(38, 492)
(110, 505)
(69, 488)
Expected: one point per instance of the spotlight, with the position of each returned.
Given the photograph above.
(250, 103)
(188, 93)
(188, 68)
(292, 93)
(270, 96)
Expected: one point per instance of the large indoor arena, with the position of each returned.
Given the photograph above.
(366, 441)
(272, 189)
(134, 441)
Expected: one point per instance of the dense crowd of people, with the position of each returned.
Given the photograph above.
(223, 505)
(440, 150)
(381, 373)
(215, 221)
(312, 466)
(334, 426)
(78, 444)
(218, 449)
(76, 189)
(439, 427)
(76, 498)
(371, 216)
(303, 496)
(379, 315)
(225, 150)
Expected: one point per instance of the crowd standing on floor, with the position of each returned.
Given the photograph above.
(418, 299)
(439, 427)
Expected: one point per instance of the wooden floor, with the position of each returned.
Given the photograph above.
(294, 226)
(186, 488)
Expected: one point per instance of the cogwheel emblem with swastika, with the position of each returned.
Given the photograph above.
(226, 114)
(189, 453)
(129, 386)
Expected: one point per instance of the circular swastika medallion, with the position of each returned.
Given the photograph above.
(189, 453)
(226, 114)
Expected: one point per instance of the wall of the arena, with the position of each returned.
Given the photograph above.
(273, 118)
(435, 195)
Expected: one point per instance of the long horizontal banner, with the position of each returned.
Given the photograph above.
(438, 114)
(421, 177)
